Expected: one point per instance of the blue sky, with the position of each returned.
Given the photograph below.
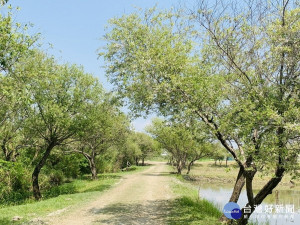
(75, 28)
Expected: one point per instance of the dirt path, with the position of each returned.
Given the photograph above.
(140, 198)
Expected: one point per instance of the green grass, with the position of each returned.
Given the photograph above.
(189, 209)
(82, 191)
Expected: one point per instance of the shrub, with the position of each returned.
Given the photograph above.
(56, 178)
(132, 168)
(67, 188)
(15, 183)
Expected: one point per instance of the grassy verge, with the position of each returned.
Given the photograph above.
(207, 172)
(188, 208)
(82, 191)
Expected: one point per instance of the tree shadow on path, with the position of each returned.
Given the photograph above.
(183, 210)
(152, 212)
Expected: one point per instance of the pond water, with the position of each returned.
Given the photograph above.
(280, 208)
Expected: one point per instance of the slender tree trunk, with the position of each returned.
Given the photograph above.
(92, 162)
(136, 161)
(268, 188)
(189, 166)
(171, 161)
(143, 161)
(91, 159)
(8, 154)
(226, 161)
(179, 167)
(35, 175)
(4, 151)
(93, 169)
(262, 194)
(239, 184)
(276, 197)
(184, 161)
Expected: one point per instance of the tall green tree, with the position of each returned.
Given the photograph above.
(59, 97)
(235, 70)
(138, 146)
(146, 145)
(179, 140)
(259, 49)
(107, 127)
(14, 42)
(14, 45)
(131, 151)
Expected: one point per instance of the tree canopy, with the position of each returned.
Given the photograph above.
(234, 68)
(184, 141)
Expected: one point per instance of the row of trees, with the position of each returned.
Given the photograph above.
(50, 111)
(231, 66)
(185, 142)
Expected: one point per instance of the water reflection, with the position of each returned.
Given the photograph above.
(284, 198)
